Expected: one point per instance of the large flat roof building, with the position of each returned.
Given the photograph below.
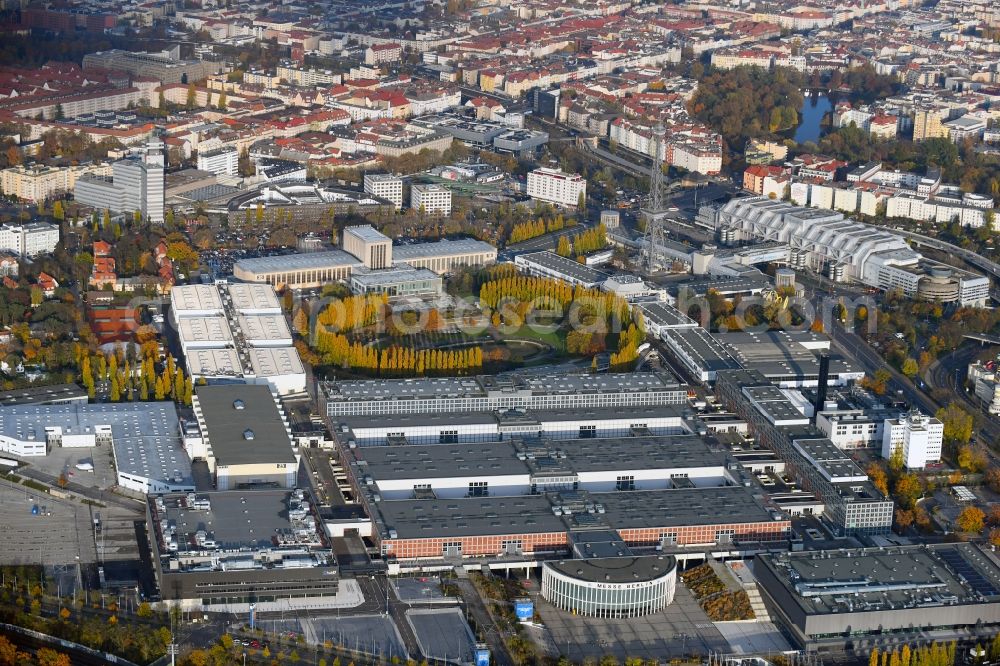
(828, 599)
(495, 426)
(223, 548)
(245, 437)
(145, 439)
(486, 393)
(520, 467)
(852, 503)
(551, 265)
(530, 525)
(315, 269)
(166, 66)
(787, 358)
(236, 332)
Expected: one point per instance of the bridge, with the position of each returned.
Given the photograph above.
(984, 338)
(977, 260)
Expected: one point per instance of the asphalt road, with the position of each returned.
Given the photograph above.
(853, 346)
(948, 373)
(477, 611)
(546, 241)
(102, 496)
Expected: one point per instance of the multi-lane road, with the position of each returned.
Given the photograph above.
(948, 373)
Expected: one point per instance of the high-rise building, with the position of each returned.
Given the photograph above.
(137, 184)
(927, 124)
(554, 186)
(917, 436)
(222, 162)
(432, 199)
(386, 186)
(373, 248)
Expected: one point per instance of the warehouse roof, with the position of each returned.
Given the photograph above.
(297, 262)
(145, 435)
(558, 264)
(275, 361)
(511, 384)
(263, 328)
(214, 362)
(701, 347)
(533, 514)
(204, 330)
(637, 413)
(255, 298)
(197, 297)
(477, 459)
(681, 506)
(441, 248)
(428, 519)
(243, 424)
(889, 579)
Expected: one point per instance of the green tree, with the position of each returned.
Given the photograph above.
(57, 211)
(192, 97)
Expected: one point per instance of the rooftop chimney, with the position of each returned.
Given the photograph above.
(824, 378)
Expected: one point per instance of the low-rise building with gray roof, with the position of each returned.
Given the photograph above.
(145, 439)
(826, 600)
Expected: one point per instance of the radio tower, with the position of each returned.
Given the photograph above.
(655, 211)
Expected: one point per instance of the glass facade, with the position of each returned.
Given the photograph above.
(596, 599)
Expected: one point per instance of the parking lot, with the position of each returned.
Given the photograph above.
(41, 529)
(753, 637)
(371, 634)
(443, 634)
(680, 630)
(420, 590)
(64, 461)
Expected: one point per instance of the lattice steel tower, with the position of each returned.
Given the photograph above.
(655, 210)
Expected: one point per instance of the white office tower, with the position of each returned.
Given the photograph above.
(554, 186)
(154, 183)
(386, 186)
(137, 184)
(222, 162)
(431, 199)
(919, 437)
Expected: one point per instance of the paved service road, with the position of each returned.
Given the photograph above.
(853, 346)
(476, 610)
(948, 373)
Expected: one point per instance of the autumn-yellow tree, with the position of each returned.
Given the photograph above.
(971, 519)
